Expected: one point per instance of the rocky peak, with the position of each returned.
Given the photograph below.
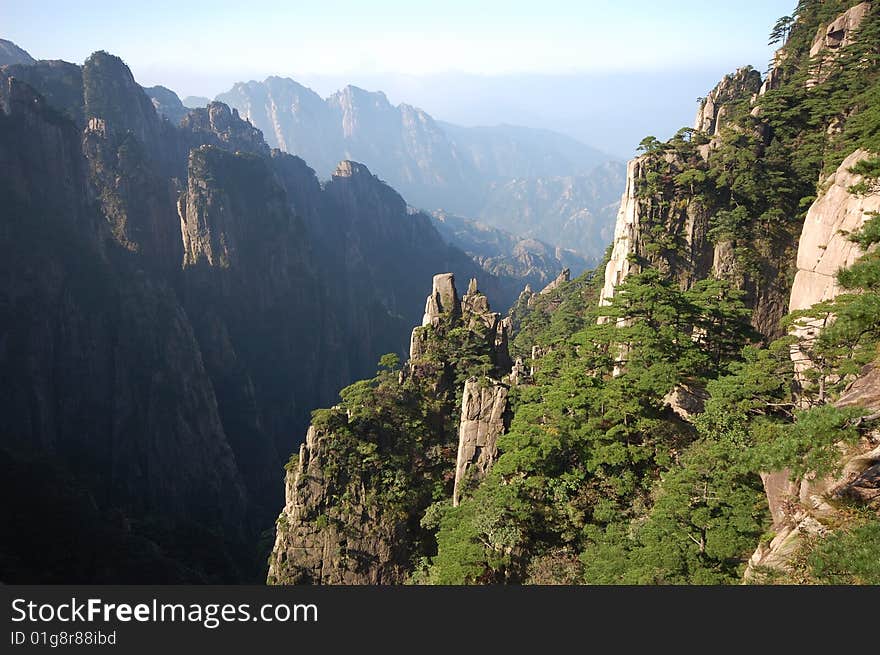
(563, 278)
(12, 54)
(741, 85)
(352, 97)
(831, 39)
(319, 539)
(221, 126)
(360, 194)
(110, 92)
(357, 107)
(443, 300)
(167, 103)
(350, 169)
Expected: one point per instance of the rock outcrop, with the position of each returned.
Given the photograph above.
(443, 300)
(831, 39)
(811, 506)
(319, 542)
(739, 86)
(685, 220)
(484, 417)
(335, 527)
(825, 247)
(167, 103)
(562, 278)
(12, 54)
(686, 401)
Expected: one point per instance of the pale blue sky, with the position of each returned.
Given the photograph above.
(202, 48)
(344, 37)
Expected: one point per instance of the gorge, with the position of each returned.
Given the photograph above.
(180, 291)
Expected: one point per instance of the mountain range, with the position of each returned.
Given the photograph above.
(530, 182)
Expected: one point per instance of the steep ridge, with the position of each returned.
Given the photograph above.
(825, 248)
(12, 54)
(102, 375)
(167, 104)
(670, 210)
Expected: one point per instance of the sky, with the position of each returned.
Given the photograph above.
(475, 62)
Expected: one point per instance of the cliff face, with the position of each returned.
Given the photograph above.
(835, 36)
(686, 255)
(810, 507)
(484, 417)
(713, 109)
(825, 248)
(101, 370)
(359, 488)
(675, 193)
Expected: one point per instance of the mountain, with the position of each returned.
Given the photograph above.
(175, 299)
(167, 103)
(474, 172)
(701, 409)
(533, 263)
(12, 54)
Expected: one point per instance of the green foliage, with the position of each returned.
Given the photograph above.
(707, 515)
(849, 556)
(389, 362)
(809, 444)
(585, 446)
(651, 145)
(781, 30)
